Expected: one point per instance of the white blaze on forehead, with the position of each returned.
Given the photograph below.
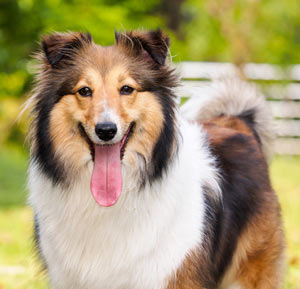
(108, 114)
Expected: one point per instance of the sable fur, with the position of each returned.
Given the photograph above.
(197, 208)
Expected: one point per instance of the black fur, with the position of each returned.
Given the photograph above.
(167, 141)
(244, 176)
(58, 47)
(154, 42)
(44, 153)
(249, 117)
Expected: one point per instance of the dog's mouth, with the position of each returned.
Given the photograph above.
(123, 142)
(126, 138)
(106, 182)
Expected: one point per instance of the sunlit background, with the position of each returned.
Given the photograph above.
(213, 31)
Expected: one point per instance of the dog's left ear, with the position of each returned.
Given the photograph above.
(146, 43)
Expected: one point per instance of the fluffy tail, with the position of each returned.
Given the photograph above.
(233, 97)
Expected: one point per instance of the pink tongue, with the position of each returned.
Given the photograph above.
(106, 183)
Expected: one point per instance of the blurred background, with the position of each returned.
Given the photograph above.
(260, 39)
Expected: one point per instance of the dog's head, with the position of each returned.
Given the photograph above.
(112, 106)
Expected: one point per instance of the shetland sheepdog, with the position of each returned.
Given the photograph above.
(130, 193)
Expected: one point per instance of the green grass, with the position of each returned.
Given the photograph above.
(19, 268)
(13, 164)
(285, 175)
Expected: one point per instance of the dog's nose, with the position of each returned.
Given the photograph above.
(106, 130)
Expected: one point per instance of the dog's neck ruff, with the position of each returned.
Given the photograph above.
(142, 239)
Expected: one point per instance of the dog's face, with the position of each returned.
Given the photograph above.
(110, 105)
(104, 105)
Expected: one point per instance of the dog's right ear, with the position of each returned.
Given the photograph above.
(60, 48)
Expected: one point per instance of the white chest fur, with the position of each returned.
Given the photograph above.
(136, 244)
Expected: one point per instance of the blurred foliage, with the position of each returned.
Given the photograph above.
(238, 31)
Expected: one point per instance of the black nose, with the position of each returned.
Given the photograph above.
(106, 130)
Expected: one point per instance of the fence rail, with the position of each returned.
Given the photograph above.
(280, 86)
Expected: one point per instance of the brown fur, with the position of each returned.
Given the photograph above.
(258, 258)
(258, 262)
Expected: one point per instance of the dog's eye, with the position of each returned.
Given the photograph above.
(85, 91)
(126, 90)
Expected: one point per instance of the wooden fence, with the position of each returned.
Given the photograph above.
(280, 86)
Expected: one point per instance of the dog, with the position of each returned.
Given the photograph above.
(128, 192)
